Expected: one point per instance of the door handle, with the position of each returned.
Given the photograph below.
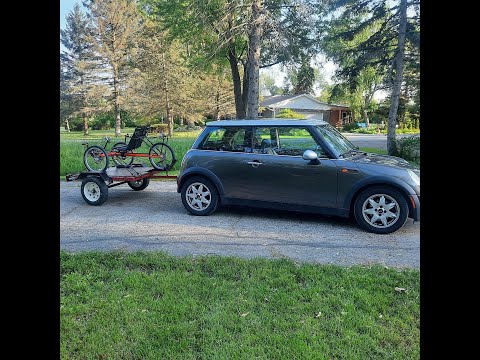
(255, 163)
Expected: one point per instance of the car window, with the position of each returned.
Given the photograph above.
(285, 140)
(226, 139)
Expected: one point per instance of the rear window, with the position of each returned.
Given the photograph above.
(236, 139)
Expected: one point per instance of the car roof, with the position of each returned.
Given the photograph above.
(268, 122)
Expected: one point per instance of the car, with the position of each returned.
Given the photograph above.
(298, 165)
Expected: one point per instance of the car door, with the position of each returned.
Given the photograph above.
(225, 156)
(278, 173)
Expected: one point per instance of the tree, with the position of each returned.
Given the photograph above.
(116, 26)
(374, 34)
(77, 72)
(250, 34)
(163, 86)
(303, 78)
(267, 86)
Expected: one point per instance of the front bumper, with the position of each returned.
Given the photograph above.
(415, 202)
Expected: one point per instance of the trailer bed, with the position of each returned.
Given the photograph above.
(95, 184)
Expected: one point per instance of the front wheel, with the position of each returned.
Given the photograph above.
(95, 158)
(138, 185)
(381, 210)
(162, 157)
(94, 190)
(199, 196)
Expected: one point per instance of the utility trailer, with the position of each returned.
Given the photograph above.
(95, 184)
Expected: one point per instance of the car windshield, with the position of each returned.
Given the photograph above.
(336, 140)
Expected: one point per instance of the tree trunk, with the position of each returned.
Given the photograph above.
(67, 125)
(245, 85)
(365, 114)
(118, 120)
(85, 124)
(167, 100)
(217, 105)
(253, 68)
(84, 116)
(237, 84)
(397, 84)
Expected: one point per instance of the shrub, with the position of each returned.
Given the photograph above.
(160, 128)
(185, 128)
(351, 126)
(103, 121)
(289, 114)
(76, 124)
(408, 148)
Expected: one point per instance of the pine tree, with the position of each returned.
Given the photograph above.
(77, 66)
(116, 27)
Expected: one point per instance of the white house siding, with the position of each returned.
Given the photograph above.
(301, 102)
(313, 115)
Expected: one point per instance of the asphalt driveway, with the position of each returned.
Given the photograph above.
(155, 219)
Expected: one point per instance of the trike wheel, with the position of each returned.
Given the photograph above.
(95, 158)
(138, 185)
(162, 157)
(121, 160)
(94, 190)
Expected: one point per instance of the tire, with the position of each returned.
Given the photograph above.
(393, 209)
(203, 208)
(121, 160)
(165, 157)
(95, 158)
(139, 184)
(94, 190)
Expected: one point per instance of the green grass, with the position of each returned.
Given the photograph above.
(153, 306)
(373, 130)
(374, 150)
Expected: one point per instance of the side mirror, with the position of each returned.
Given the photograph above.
(311, 156)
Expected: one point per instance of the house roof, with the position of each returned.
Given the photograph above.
(286, 101)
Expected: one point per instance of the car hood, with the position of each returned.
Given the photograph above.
(385, 160)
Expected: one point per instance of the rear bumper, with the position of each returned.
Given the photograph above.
(415, 200)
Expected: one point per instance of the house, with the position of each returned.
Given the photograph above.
(335, 114)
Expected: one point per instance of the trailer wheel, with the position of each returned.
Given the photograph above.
(138, 185)
(94, 190)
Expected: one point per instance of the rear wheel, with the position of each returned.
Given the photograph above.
(119, 159)
(199, 196)
(381, 209)
(162, 156)
(94, 190)
(95, 158)
(138, 185)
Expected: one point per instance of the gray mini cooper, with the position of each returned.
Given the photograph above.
(299, 165)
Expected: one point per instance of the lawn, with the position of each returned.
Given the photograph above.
(153, 306)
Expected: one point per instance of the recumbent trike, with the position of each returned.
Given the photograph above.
(160, 154)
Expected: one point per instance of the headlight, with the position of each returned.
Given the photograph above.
(414, 177)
